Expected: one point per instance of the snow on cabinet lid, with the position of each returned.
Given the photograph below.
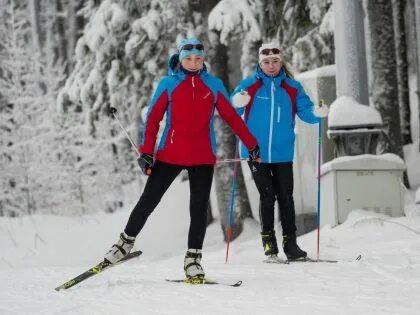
(346, 112)
(386, 161)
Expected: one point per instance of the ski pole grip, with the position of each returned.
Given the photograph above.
(112, 110)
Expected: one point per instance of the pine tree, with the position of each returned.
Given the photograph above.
(28, 83)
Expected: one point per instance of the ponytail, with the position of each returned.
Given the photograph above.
(287, 70)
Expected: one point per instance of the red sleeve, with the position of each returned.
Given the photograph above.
(228, 113)
(151, 128)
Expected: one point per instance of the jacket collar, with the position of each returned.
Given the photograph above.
(267, 79)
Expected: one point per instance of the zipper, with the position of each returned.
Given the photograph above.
(278, 114)
(193, 85)
(270, 139)
(172, 136)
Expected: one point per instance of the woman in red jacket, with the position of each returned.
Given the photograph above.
(189, 96)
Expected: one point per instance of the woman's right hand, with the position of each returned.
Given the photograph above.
(146, 163)
(241, 99)
(254, 155)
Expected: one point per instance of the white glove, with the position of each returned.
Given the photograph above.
(321, 111)
(241, 99)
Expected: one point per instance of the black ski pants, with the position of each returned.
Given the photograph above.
(275, 181)
(162, 176)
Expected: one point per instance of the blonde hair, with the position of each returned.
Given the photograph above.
(287, 68)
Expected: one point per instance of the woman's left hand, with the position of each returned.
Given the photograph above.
(321, 111)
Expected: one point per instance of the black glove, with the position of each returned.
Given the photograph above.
(254, 155)
(146, 163)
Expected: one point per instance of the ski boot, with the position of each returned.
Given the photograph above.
(291, 249)
(121, 249)
(271, 250)
(192, 267)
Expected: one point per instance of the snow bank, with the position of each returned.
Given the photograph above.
(346, 112)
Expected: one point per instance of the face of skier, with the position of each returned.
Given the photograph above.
(193, 62)
(271, 66)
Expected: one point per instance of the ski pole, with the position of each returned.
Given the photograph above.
(321, 103)
(232, 203)
(113, 111)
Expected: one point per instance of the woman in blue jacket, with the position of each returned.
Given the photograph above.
(268, 102)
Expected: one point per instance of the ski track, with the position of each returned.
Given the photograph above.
(135, 287)
(385, 281)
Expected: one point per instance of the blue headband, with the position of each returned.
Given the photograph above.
(194, 51)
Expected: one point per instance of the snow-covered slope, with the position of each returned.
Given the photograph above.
(41, 252)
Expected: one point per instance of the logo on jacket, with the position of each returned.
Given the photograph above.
(205, 96)
(263, 97)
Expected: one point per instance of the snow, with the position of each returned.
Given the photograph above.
(412, 158)
(151, 24)
(321, 72)
(327, 24)
(346, 112)
(233, 17)
(386, 161)
(41, 252)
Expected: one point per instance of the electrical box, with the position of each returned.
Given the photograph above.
(369, 182)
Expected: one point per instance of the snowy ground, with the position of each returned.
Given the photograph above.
(41, 252)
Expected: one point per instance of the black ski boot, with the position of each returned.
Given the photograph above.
(291, 248)
(269, 243)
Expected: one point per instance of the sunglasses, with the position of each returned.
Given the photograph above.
(270, 51)
(192, 46)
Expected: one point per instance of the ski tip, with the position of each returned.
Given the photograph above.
(237, 284)
(359, 257)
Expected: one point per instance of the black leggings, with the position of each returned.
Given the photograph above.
(163, 174)
(275, 180)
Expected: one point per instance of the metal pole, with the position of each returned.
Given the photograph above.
(113, 111)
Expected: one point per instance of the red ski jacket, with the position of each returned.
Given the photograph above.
(189, 102)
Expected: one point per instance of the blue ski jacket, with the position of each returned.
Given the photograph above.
(270, 114)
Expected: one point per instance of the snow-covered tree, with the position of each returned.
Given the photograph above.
(120, 57)
(228, 21)
(28, 84)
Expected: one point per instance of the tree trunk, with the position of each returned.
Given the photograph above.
(227, 149)
(34, 7)
(62, 52)
(402, 69)
(75, 30)
(384, 85)
(417, 14)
